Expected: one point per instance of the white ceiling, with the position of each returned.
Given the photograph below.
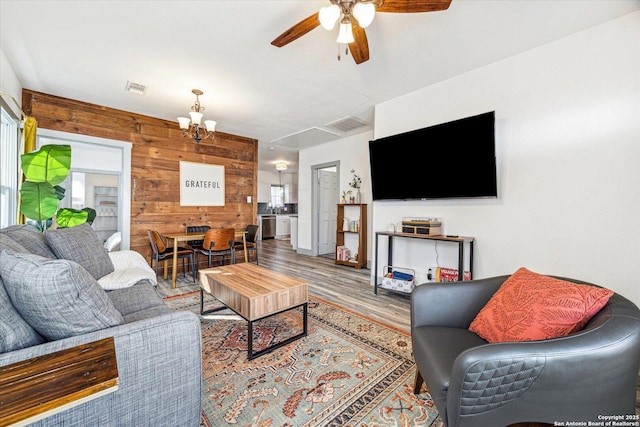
(284, 97)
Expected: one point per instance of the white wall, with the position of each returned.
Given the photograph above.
(9, 84)
(352, 153)
(568, 154)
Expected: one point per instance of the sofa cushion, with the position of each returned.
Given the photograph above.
(530, 306)
(82, 245)
(15, 332)
(8, 244)
(29, 237)
(58, 298)
(148, 313)
(135, 298)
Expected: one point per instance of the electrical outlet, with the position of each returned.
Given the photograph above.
(248, 199)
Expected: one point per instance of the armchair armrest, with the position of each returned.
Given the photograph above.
(523, 380)
(453, 304)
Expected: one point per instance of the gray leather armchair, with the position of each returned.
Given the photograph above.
(590, 373)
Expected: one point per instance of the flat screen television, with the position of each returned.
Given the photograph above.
(456, 159)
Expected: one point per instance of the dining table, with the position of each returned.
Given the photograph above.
(185, 237)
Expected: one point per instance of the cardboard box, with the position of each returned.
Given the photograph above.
(444, 274)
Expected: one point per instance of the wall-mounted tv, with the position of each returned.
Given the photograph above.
(450, 160)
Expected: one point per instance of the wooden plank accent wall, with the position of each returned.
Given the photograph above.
(158, 147)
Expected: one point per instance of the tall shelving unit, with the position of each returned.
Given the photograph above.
(354, 237)
(106, 206)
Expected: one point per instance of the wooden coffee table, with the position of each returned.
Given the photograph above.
(254, 293)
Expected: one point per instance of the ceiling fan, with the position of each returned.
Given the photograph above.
(354, 16)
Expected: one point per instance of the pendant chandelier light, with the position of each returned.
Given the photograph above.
(191, 126)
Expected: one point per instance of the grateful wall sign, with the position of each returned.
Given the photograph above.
(201, 184)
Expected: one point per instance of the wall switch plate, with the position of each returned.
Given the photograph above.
(248, 199)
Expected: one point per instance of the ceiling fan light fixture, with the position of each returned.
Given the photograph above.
(328, 16)
(364, 13)
(345, 36)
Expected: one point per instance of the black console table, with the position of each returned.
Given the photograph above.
(460, 240)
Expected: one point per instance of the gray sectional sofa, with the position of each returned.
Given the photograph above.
(60, 289)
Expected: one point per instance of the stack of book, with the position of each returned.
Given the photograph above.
(343, 253)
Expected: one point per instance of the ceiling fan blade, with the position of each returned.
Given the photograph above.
(413, 6)
(360, 47)
(297, 31)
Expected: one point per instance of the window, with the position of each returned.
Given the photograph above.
(277, 196)
(8, 169)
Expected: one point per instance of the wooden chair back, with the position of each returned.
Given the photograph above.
(156, 241)
(221, 238)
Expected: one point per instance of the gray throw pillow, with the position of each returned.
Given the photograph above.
(58, 298)
(8, 244)
(82, 245)
(15, 332)
(29, 237)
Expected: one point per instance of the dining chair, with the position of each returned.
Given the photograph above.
(196, 244)
(252, 245)
(196, 229)
(160, 252)
(218, 242)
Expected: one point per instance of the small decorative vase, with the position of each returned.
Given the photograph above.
(345, 224)
(358, 197)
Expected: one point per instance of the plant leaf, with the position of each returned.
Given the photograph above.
(68, 217)
(91, 214)
(51, 163)
(39, 200)
(60, 191)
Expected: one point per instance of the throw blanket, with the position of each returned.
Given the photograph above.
(130, 268)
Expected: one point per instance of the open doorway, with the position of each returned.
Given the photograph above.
(325, 196)
(98, 191)
(100, 178)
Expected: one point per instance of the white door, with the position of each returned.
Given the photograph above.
(328, 210)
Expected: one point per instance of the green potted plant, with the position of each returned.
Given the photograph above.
(355, 183)
(41, 193)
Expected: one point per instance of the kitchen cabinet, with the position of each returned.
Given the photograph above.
(264, 192)
(283, 226)
(291, 193)
(290, 183)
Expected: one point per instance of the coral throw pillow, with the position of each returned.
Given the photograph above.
(529, 307)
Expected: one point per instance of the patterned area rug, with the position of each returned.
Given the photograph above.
(348, 371)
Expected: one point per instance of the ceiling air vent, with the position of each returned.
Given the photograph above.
(135, 88)
(347, 124)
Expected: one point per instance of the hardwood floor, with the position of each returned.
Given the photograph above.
(342, 285)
